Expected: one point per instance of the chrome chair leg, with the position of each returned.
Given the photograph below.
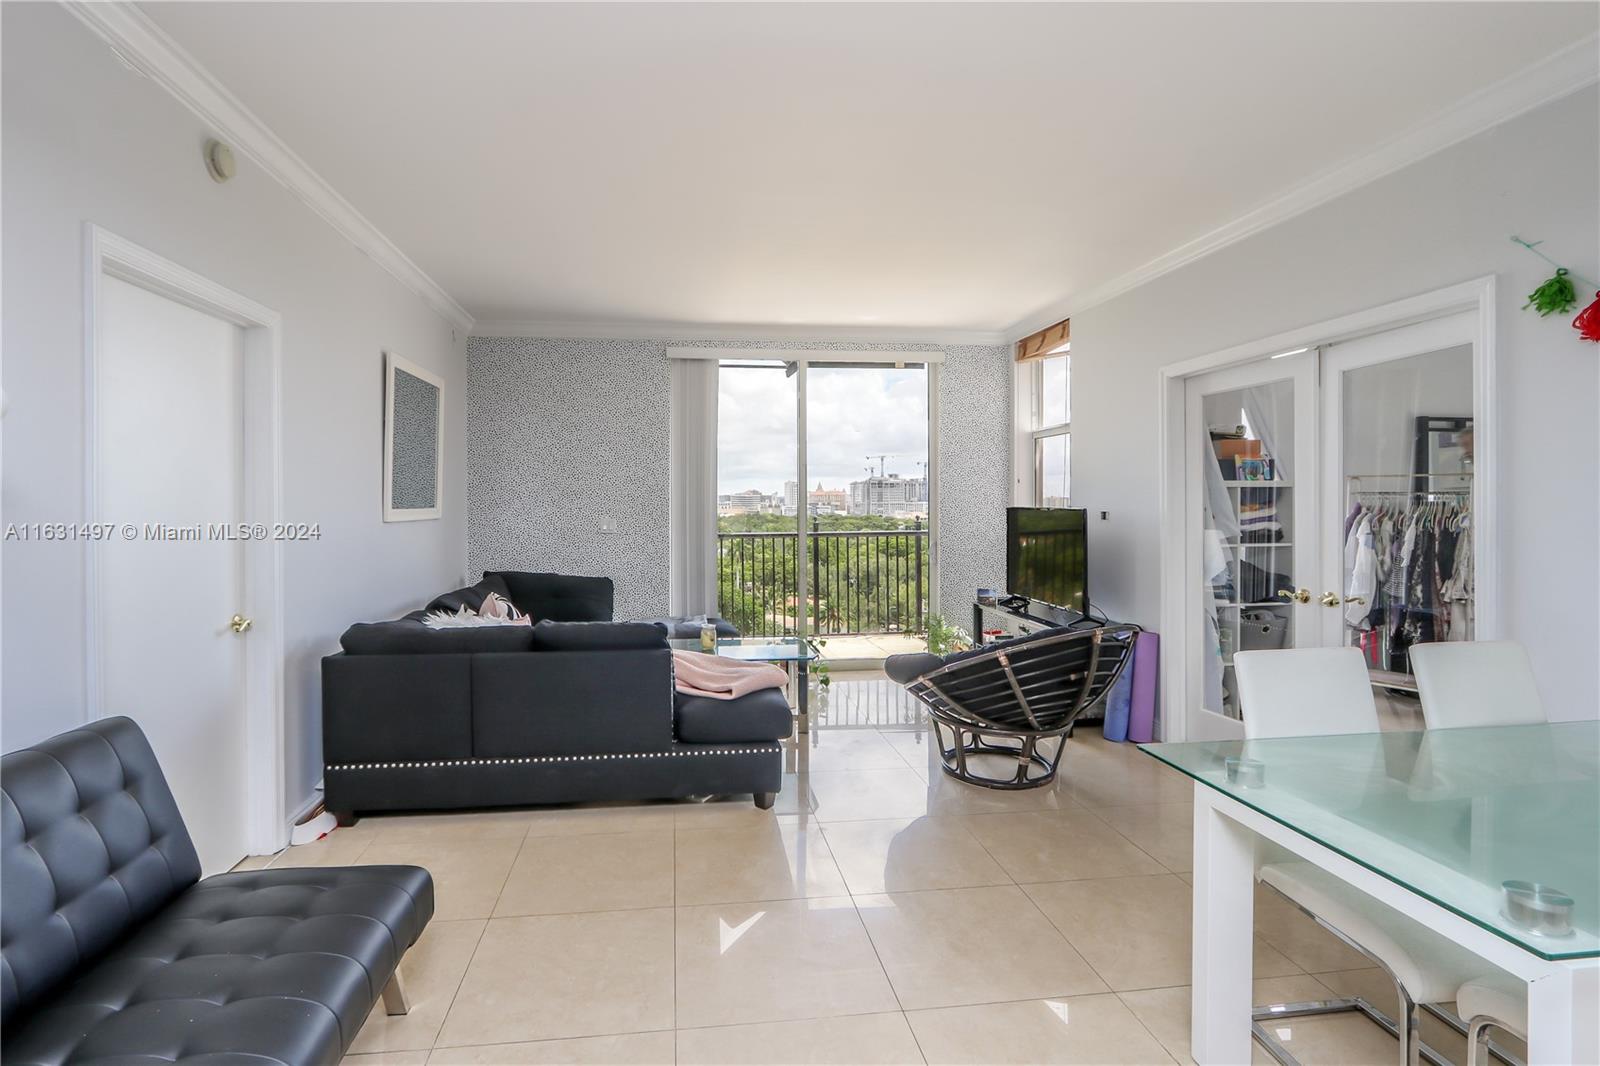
(1478, 1040)
(1416, 1050)
(1407, 1030)
(1411, 1038)
(1490, 1048)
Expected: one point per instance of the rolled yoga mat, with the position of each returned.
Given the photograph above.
(1142, 708)
(1117, 704)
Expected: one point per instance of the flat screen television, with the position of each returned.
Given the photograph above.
(1047, 552)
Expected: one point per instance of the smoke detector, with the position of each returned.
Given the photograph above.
(219, 161)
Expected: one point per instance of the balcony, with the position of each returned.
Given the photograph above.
(866, 589)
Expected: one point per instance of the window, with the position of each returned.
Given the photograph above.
(1043, 424)
(1052, 430)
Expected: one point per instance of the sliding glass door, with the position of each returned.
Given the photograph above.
(867, 507)
(825, 502)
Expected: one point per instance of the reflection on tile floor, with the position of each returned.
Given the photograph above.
(881, 912)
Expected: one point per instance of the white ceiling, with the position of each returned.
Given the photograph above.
(905, 165)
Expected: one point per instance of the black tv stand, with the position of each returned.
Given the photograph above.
(1020, 621)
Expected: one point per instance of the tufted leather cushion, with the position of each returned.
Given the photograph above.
(112, 951)
(263, 966)
(91, 844)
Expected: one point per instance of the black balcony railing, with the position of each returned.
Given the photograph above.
(857, 581)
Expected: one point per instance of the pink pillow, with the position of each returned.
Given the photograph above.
(500, 609)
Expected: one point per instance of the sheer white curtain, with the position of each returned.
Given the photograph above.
(1270, 411)
(1221, 525)
(694, 487)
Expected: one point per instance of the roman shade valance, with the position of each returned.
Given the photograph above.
(1052, 340)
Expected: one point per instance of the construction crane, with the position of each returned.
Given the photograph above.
(882, 461)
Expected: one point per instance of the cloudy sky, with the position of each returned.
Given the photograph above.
(853, 413)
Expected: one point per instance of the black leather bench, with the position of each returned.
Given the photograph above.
(115, 949)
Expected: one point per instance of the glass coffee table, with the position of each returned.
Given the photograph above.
(794, 654)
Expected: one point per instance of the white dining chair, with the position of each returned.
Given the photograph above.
(1476, 683)
(1303, 692)
(1496, 1002)
(1480, 683)
(1327, 692)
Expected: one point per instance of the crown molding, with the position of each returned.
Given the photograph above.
(688, 331)
(143, 45)
(1560, 74)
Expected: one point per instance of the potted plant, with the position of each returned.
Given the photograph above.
(944, 637)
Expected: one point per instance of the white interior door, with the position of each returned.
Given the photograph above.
(1251, 519)
(1399, 489)
(169, 443)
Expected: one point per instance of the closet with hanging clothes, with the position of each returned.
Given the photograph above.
(1408, 565)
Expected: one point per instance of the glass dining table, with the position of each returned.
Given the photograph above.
(1435, 824)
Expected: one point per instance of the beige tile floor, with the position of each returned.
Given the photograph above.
(881, 913)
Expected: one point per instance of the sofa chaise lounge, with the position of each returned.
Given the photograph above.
(573, 708)
(115, 950)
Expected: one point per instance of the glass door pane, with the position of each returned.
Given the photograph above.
(1248, 427)
(757, 455)
(1399, 406)
(867, 507)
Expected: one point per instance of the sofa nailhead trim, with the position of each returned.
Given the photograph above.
(546, 759)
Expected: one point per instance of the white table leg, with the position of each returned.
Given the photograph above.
(1224, 931)
(1562, 1023)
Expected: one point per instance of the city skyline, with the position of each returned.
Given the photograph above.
(889, 495)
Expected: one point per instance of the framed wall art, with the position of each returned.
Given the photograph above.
(413, 460)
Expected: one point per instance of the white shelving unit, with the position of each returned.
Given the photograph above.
(1240, 622)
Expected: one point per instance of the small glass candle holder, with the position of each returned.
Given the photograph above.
(708, 637)
(1246, 773)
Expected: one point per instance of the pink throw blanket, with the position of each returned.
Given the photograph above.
(721, 678)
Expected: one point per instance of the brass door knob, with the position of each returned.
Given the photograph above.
(239, 623)
(1297, 595)
(1329, 599)
(1355, 599)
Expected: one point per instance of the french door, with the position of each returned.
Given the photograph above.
(1330, 500)
(1250, 435)
(1399, 466)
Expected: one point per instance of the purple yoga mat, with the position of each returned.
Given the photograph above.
(1142, 709)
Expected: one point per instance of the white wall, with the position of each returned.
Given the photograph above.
(88, 140)
(1444, 220)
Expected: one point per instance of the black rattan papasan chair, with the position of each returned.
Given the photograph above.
(1002, 712)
